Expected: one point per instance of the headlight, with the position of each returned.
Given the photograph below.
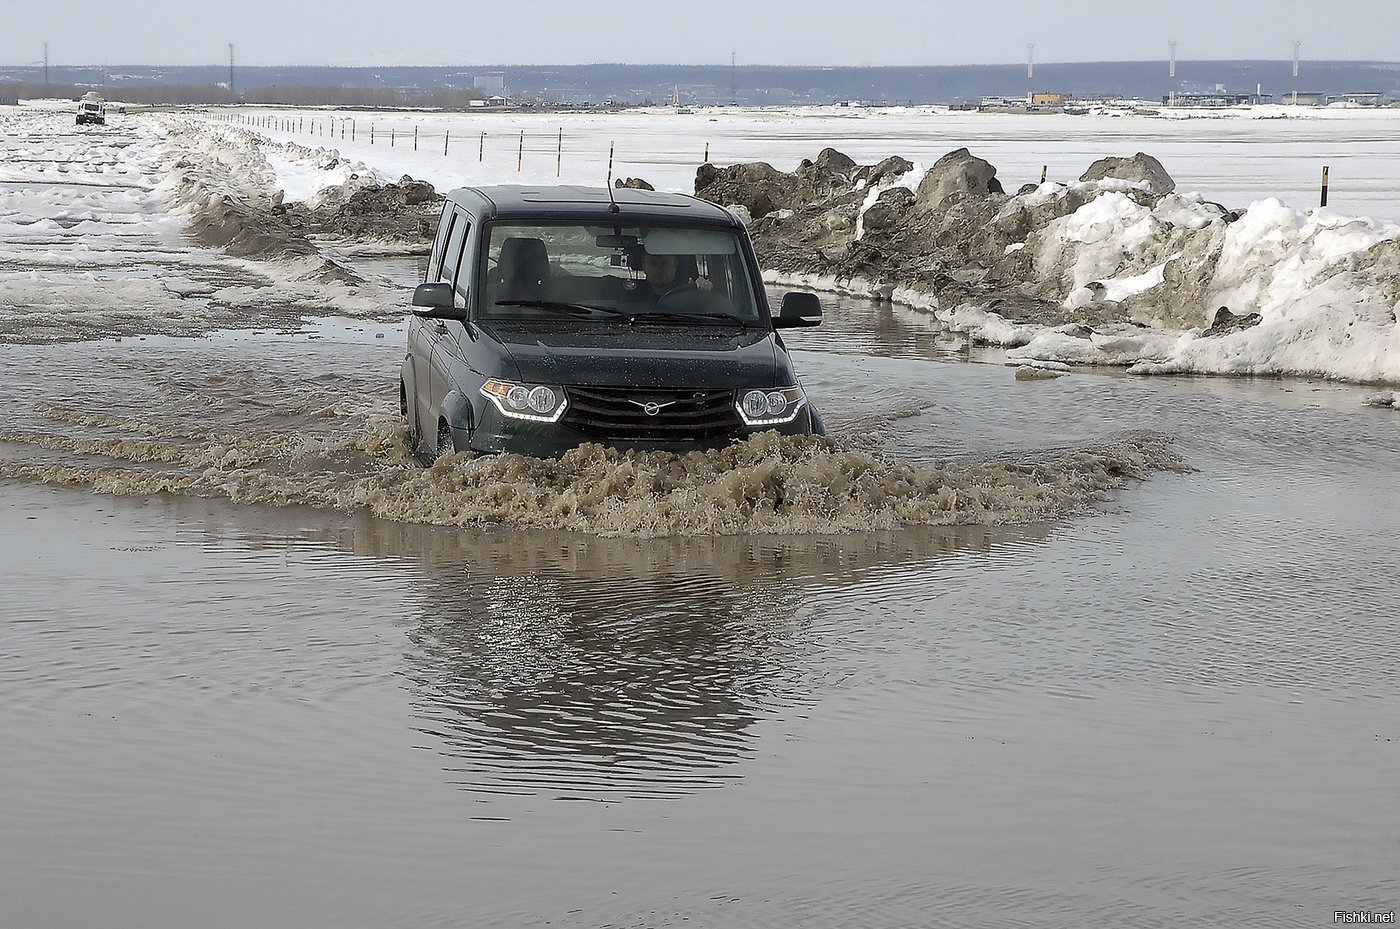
(526, 401)
(770, 407)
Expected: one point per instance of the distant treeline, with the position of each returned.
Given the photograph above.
(720, 83)
(288, 94)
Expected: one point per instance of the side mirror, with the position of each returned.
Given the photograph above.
(436, 300)
(799, 310)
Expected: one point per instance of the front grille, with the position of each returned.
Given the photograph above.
(614, 413)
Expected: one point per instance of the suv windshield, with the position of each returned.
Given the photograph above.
(685, 274)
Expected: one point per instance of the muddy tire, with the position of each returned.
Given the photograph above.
(444, 443)
(414, 439)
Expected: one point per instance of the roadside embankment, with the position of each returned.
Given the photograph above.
(1118, 268)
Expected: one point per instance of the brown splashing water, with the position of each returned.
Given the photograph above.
(769, 483)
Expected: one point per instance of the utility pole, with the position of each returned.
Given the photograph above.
(1171, 73)
(1030, 73)
(733, 82)
(46, 64)
(230, 67)
(1295, 72)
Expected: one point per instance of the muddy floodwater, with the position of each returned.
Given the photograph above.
(1135, 667)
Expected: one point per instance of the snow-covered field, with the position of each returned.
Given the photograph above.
(1324, 281)
(1232, 156)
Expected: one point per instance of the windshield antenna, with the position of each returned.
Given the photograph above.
(613, 208)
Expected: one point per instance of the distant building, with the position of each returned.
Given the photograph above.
(1310, 98)
(1055, 104)
(1367, 98)
(1218, 98)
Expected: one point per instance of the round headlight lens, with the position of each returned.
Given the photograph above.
(541, 399)
(518, 398)
(755, 404)
(776, 403)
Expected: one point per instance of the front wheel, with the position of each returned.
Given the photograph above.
(410, 420)
(445, 445)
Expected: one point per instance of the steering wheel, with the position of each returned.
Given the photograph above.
(687, 298)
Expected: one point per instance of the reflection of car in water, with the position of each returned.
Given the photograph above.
(91, 109)
(556, 316)
(569, 665)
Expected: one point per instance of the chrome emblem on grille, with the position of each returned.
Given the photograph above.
(651, 407)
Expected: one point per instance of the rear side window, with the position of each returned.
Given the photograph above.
(439, 244)
(452, 251)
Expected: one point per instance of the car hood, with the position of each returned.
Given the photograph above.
(643, 355)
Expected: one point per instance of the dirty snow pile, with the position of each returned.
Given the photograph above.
(232, 161)
(1118, 268)
(1317, 291)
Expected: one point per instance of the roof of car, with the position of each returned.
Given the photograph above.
(512, 201)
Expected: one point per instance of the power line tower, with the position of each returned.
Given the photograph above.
(1030, 73)
(733, 82)
(230, 67)
(1295, 72)
(46, 64)
(1171, 74)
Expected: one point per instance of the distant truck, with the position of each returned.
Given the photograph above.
(91, 109)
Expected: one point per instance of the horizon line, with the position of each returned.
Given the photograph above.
(662, 64)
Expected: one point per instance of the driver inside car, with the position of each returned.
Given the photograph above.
(664, 276)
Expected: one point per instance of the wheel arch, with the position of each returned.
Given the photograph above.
(459, 417)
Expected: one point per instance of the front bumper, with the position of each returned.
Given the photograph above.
(496, 433)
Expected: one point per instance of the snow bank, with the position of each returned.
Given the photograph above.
(1325, 288)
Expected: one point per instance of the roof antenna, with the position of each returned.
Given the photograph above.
(613, 207)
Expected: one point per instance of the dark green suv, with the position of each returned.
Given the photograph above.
(554, 316)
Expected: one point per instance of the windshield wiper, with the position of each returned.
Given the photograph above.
(706, 318)
(559, 306)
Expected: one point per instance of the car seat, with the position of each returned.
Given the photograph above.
(521, 270)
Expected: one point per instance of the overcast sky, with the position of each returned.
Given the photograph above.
(780, 32)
